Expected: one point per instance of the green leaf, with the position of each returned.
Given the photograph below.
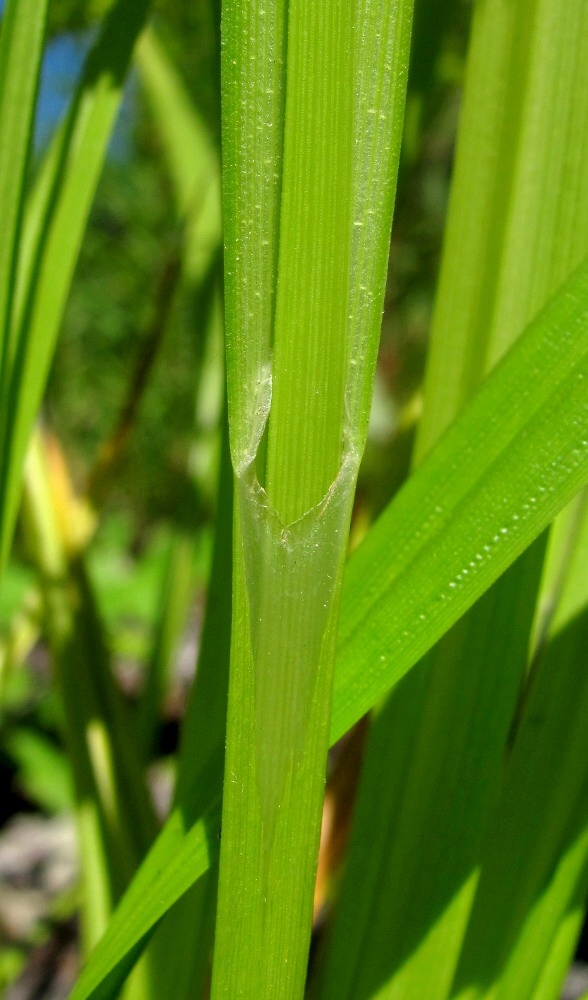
(202, 733)
(55, 225)
(534, 866)
(44, 772)
(115, 815)
(173, 604)
(191, 157)
(430, 777)
(21, 49)
(518, 213)
(192, 841)
(176, 861)
(496, 479)
(537, 431)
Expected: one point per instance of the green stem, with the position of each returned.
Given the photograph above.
(298, 421)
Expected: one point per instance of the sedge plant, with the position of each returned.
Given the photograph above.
(459, 622)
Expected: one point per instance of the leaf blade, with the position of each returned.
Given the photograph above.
(21, 47)
(499, 513)
(53, 236)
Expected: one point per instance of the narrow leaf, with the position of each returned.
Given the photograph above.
(21, 47)
(534, 867)
(55, 226)
(191, 157)
(497, 478)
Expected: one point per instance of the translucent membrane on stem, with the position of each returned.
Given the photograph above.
(290, 573)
